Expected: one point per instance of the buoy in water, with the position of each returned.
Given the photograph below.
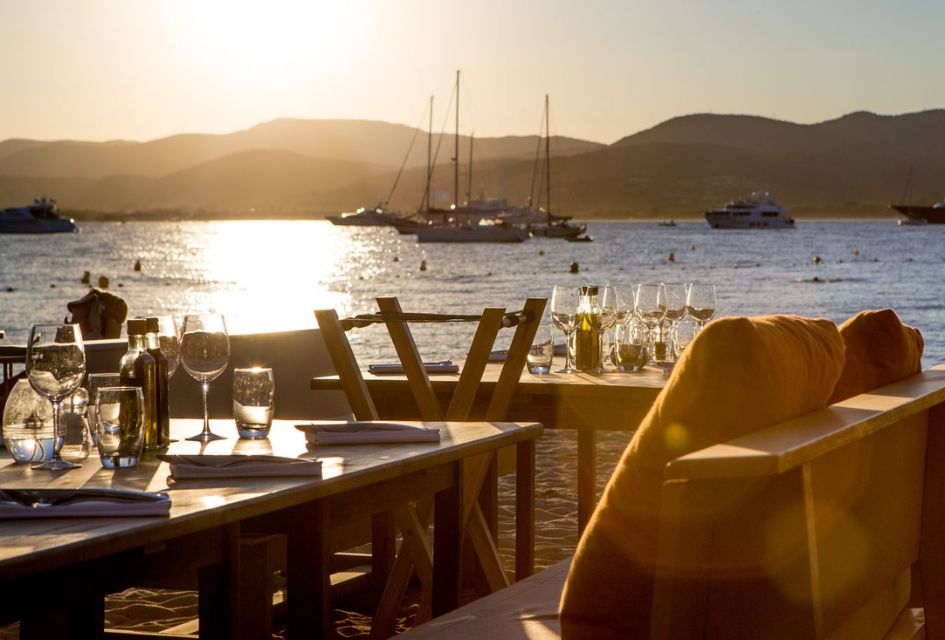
(137, 265)
(575, 268)
(856, 252)
(541, 252)
(692, 247)
(52, 286)
(818, 260)
(671, 257)
(87, 277)
(103, 282)
(423, 265)
(396, 258)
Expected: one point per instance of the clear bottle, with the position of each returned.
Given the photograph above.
(587, 352)
(138, 368)
(163, 397)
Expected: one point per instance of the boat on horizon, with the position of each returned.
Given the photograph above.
(40, 217)
(485, 231)
(921, 214)
(364, 217)
(757, 211)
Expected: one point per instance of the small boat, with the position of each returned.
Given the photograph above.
(668, 223)
(757, 211)
(485, 231)
(912, 222)
(558, 230)
(921, 214)
(581, 239)
(364, 217)
(40, 217)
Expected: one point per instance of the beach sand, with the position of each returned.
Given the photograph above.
(155, 610)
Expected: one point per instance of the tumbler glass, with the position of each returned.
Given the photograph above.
(253, 401)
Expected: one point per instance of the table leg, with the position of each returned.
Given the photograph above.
(383, 550)
(587, 476)
(309, 578)
(524, 509)
(447, 544)
(218, 590)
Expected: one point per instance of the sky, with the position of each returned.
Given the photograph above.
(144, 69)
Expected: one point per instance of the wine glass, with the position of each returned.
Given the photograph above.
(564, 304)
(700, 302)
(609, 306)
(626, 294)
(204, 353)
(169, 339)
(55, 366)
(675, 306)
(650, 307)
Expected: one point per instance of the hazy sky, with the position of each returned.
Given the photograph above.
(141, 69)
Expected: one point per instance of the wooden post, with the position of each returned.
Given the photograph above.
(524, 509)
(587, 477)
(447, 544)
(932, 544)
(309, 579)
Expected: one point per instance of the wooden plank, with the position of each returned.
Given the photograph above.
(383, 552)
(931, 564)
(257, 565)
(447, 544)
(587, 477)
(349, 374)
(417, 378)
(524, 510)
(218, 597)
(308, 585)
(475, 364)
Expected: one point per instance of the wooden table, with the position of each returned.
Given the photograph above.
(588, 403)
(49, 564)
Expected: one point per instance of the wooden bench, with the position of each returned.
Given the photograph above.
(820, 527)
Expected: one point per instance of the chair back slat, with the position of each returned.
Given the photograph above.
(465, 393)
(515, 360)
(406, 348)
(346, 365)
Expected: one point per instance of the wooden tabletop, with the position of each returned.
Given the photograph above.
(610, 401)
(28, 546)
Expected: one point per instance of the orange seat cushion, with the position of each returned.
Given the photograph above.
(880, 350)
(739, 375)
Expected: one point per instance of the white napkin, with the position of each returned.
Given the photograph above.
(193, 467)
(81, 503)
(329, 433)
(446, 366)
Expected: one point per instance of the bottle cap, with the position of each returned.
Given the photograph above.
(153, 324)
(137, 327)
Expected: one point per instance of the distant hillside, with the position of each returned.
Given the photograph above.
(379, 143)
(855, 164)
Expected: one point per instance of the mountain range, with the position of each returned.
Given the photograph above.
(852, 165)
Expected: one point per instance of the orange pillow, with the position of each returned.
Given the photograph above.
(880, 350)
(738, 376)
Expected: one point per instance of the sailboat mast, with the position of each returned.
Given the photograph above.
(426, 193)
(548, 157)
(456, 149)
(472, 137)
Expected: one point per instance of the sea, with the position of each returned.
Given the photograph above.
(271, 275)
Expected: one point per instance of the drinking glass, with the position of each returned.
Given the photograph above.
(626, 294)
(609, 305)
(119, 426)
(55, 366)
(204, 354)
(564, 304)
(630, 352)
(700, 302)
(253, 394)
(650, 307)
(675, 309)
(95, 382)
(683, 333)
(169, 340)
(542, 351)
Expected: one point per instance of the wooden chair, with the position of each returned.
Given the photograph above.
(413, 520)
(815, 528)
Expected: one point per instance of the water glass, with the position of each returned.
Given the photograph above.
(120, 426)
(76, 443)
(683, 333)
(95, 382)
(542, 351)
(630, 353)
(253, 401)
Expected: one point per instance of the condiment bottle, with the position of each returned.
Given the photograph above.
(587, 351)
(163, 394)
(138, 368)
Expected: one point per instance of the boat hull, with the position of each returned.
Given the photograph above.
(931, 215)
(60, 225)
(472, 234)
(728, 221)
(558, 230)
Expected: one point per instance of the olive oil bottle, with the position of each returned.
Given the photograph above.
(138, 368)
(587, 352)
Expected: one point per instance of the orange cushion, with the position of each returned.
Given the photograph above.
(738, 376)
(880, 350)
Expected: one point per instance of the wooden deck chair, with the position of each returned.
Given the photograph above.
(414, 520)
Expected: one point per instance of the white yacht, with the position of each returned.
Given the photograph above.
(757, 211)
(364, 217)
(40, 217)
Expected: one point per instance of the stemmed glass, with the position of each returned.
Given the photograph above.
(564, 304)
(204, 353)
(650, 307)
(169, 339)
(675, 306)
(700, 302)
(609, 307)
(55, 366)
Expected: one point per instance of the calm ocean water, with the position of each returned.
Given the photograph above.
(267, 276)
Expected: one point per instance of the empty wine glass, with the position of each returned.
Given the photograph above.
(650, 307)
(675, 307)
(55, 366)
(564, 304)
(169, 339)
(700, 302)
(609, 305)
(626, 294)
(204, 354)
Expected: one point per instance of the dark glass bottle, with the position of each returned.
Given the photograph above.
(586, 339)
(163, 397)
(139, 369)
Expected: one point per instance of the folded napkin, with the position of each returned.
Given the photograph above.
(81, 503)
(446, 366)
(193, 467)
(329, 433)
